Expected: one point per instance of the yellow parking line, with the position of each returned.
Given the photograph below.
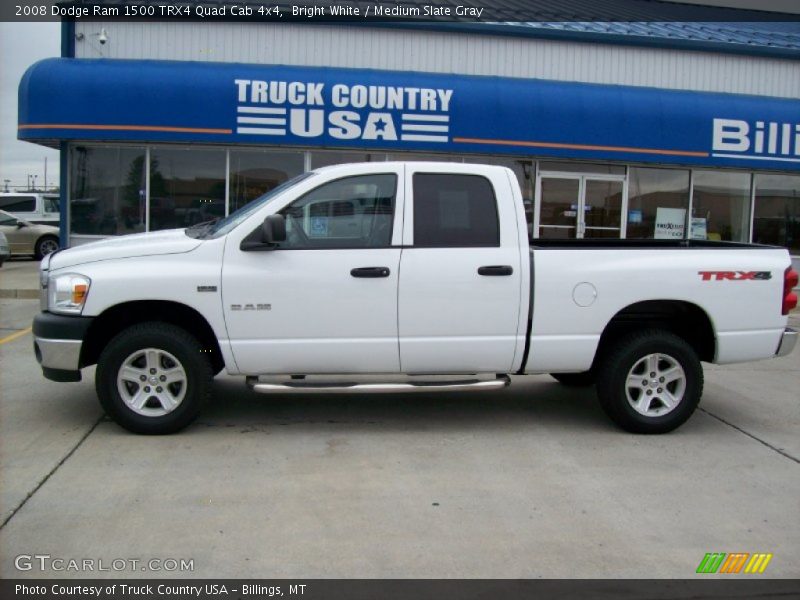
(14, 336)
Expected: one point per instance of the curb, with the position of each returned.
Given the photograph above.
(20, 294)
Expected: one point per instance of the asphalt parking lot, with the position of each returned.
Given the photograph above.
(532, 481)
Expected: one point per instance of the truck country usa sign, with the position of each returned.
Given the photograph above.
(343, 112)
(281, 105)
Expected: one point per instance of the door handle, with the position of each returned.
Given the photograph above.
(371, 272)
(495, 270)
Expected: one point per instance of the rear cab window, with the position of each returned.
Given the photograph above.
(454, 211)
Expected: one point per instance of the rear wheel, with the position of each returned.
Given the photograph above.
(584, 379)
(153, 378)
(651, 382)
(45, 245)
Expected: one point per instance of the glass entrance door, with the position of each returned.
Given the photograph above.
(602, 208)
(572, 205)
(559, 198)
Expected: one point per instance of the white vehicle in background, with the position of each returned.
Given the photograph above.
(32, 207)
(403, 276)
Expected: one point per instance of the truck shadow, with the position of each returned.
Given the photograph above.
(537, 401)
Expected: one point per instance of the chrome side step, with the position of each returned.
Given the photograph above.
(299, 387)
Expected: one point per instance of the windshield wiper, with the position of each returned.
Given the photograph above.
(200, 229)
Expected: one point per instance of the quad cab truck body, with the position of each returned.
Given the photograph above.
(403, 277)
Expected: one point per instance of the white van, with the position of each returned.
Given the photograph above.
(30, 206)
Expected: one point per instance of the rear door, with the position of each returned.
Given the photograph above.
(460, 271)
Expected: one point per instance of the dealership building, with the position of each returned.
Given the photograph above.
(614, 129)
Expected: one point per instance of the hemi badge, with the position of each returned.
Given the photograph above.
(206, 288)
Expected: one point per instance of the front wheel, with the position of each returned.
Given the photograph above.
(153, 378)
(650, 382)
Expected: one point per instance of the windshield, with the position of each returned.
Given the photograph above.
(219, 227)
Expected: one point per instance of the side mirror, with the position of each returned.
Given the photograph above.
(21, 224)
(273, 229)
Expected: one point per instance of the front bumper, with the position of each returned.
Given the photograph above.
(57, 344)
(788, 341)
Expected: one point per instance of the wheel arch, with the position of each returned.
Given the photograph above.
(121, 316)
(685, 319)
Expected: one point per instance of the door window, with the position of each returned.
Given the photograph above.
(454, 211)
(353, 212)
(18, 203)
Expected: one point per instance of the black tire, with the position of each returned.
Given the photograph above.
(172, 341)
(618, 362)
(44, 246)
(584, 379)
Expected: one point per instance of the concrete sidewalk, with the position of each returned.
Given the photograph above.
(19, 278)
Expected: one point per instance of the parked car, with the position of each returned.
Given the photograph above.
(32, 207)
(5, 252)
(403, 276)
(25, 237)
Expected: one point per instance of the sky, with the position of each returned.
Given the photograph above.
(22, 44)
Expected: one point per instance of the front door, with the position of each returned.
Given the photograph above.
(325, 300)
(574, 205)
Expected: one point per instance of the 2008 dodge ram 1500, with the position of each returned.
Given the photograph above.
(403, 276)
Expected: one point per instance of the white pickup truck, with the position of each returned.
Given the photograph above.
(403, 276)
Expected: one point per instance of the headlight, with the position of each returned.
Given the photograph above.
(67, 293)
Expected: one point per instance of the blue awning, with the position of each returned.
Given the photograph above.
(222, 103)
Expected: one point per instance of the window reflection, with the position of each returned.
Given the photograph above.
(721, 206)
(107, 192)
(254, 173)
(187, 186)
(656, 196)
(776, 218)
(325, 158)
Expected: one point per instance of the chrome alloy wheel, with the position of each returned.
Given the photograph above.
(152, 382)
(655, 385)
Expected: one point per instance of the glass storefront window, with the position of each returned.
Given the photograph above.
(656, 196)
(417, 156)
(187, 186)
(255, 172)
(579, 167)
(524, 171)
(325, 158)
(721, 206)
(107, 190)
(776, 215)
